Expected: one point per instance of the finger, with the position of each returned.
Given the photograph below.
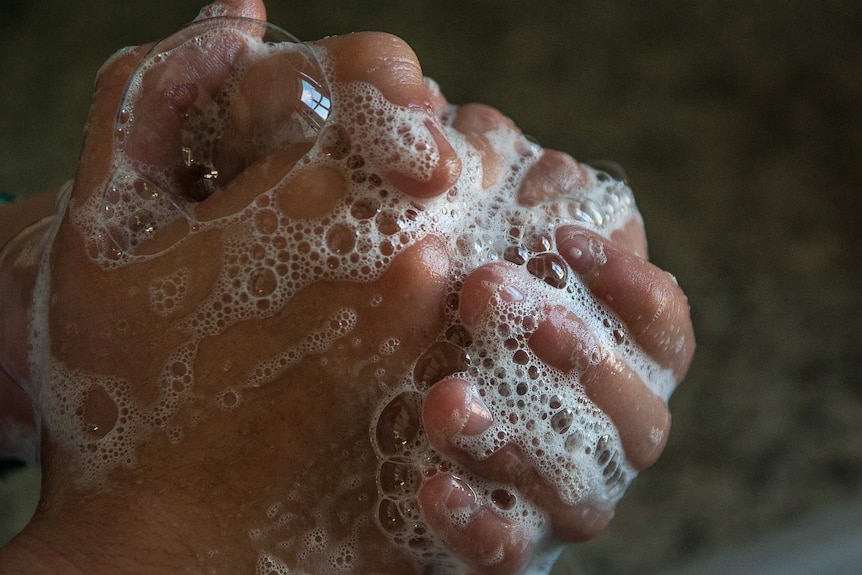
(631, 237)
(148, 144)
(647, 299)
(487, 543)
(475, 121)
(641, 417)
(235, 8)
(437, 98)
(453, 409)
(484, 284)
(555, 174)
(390, 65)
(97, 154)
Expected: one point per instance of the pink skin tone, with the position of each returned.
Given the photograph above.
(647, 299)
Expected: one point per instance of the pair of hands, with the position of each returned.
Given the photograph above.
(121, 338)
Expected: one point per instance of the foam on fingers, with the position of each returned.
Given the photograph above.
(390, 65)
(485, 542)
(647, 299)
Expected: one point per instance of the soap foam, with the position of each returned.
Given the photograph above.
(267, 257)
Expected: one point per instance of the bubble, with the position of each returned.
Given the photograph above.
(562, 420)
(440, 360)
(458, 335)
(263, 283)
(608, 169)
(341, 239)
(396, 479)
(538, 241)
(364, 209)
(228, 399)
(398, 424)
(390, 516)
(99, 413)
(389, 222)
(516, 254)
(503, 499)
(586, 210)
(574, 442)
(550, 268)
(184, 127)
(266, 222)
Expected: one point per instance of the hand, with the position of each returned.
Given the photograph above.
(655, 322)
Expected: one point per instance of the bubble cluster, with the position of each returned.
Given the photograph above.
(334, 215)
(167, 294)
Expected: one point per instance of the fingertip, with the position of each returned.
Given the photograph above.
(453, 408)
(442, 177)
(484, 541)
(482, 286)
(555, 174)
(581, 523)
(647, 299)
(390, 65)
(641, 417)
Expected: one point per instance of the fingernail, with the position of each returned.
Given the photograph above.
(583, 253)
(479, 417)
(459, 497)
(449, 159)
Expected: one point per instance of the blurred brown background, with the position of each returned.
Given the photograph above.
(740, 126)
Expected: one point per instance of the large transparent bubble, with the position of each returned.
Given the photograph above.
(204, 105)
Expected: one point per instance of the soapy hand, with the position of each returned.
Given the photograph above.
(251, 287)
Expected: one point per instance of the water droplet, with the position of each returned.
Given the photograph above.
(398, 424)
(550, 268)
(440, 360)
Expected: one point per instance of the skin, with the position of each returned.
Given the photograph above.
(180, 500)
